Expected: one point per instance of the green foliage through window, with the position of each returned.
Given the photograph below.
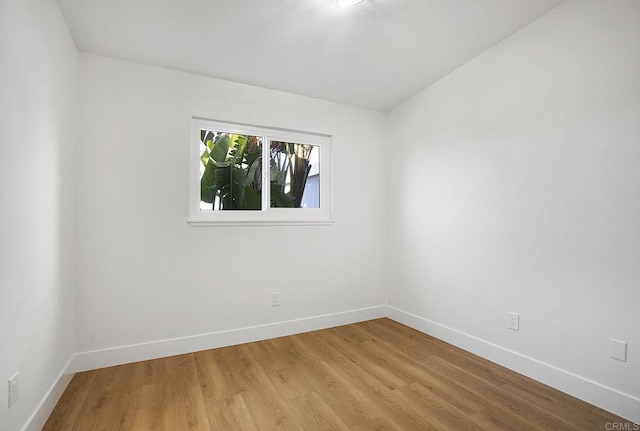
(232, 178)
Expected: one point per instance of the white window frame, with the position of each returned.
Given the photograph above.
(267, 216)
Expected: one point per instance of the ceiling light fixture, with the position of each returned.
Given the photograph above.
(347, 3)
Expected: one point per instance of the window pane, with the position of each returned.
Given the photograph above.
(294, 175)
(230, 171)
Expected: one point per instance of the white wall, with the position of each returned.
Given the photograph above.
(145, 275)
(38, 77)
(519, 190)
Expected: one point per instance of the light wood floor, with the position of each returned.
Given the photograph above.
(376, 375)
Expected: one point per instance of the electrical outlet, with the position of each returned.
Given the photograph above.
(513, 321)
(275, 298)
(618, 350)
(14, 389)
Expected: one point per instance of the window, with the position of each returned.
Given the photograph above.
(247, 175)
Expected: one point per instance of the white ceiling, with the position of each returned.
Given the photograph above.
(373, 55)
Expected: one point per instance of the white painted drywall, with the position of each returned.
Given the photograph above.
(143, 274)
(519, 190)
(38, 78)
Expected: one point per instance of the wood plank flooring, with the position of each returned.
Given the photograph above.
(375, 375)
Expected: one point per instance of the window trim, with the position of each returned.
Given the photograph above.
(267, 216)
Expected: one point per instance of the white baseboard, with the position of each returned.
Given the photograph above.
(40, 415)
(91, 360)
(621, 404)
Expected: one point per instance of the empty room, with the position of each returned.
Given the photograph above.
(319, 215)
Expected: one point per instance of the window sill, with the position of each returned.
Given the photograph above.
(226, 223)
